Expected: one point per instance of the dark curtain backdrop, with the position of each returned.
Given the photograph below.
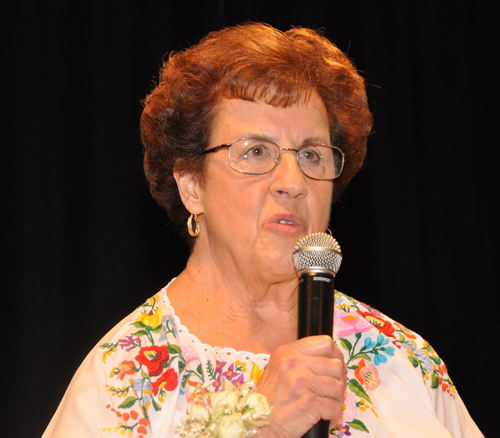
(85, 243)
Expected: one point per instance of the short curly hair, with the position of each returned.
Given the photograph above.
(254, 62)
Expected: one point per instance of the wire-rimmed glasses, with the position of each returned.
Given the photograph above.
(257, 156)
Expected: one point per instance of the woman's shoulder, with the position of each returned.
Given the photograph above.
(139, 373)
(153, 359)
(386, 361)
(382, 337)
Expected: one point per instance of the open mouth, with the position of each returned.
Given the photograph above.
(286, 222)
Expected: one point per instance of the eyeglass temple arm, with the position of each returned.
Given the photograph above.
(215, 149)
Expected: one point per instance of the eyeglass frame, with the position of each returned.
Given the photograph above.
(278, 159)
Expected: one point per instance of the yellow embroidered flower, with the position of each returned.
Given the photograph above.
(107, 353)
(363, 406)
(153, 320)
(256, 372)
(241, 364)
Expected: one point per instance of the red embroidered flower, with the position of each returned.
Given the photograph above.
(153, 358)
(167, 380)
(143, 424)
(442, 369)
(378, 322)
(367, 375)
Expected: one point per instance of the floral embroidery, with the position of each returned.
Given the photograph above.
(366, 354)
(125, 367)
(367, 375)
(129, 343)
(167, 380)
(148, 363)
(347, 323)
(256, 372)
(379, 323)
(154, 371)
(153, 358)
(430, 364)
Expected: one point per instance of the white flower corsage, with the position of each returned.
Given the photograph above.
(234, 412)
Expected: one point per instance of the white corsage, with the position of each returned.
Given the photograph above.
(234, 412)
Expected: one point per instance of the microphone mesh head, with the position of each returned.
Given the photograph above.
(317, 251)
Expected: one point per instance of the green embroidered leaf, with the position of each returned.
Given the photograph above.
(174, 349)
(413, 361)
(358, 425)
(434, 381)
(199, 369)
(128, 402)
(107, 345)
(157, 329)
(357, 389)
(144, 375)
(210, 370)
(182, 366)
(156, 405)
(139, 324)
(186, 377)
(346, 344)
(140, 333)
(436, 360)
(362, 356)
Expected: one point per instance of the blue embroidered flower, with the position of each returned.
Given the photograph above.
(388, 350)
(140, 386)
(369, 343)
(167, 326)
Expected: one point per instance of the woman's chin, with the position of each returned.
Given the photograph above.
(280, 266)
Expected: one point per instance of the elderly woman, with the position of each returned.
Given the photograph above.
(249, 137)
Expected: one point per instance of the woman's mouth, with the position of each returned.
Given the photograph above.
(286, 223)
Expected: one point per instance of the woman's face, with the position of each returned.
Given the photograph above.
(254, 221)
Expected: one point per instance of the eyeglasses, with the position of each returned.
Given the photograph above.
(257, 156)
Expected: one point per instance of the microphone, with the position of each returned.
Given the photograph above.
(317, 259)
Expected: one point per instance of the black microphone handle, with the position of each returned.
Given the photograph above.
(316, 303)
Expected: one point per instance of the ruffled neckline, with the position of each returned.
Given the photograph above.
(193, 340)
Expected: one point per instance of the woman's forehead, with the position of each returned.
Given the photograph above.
(243, 118)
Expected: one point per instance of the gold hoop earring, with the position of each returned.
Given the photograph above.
(193, 230)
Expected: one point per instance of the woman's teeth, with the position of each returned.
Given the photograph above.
(285, 222)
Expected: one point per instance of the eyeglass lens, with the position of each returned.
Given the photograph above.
(257, 156)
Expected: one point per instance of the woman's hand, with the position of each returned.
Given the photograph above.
(304, 382)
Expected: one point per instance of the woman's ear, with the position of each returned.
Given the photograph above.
(190, 192)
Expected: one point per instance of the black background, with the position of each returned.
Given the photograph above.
(85, 243)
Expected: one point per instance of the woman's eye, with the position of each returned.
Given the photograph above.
(255, 152)
(310, 155)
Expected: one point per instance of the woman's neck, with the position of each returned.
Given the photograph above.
(228, 310)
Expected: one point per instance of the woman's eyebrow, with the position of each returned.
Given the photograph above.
(306, 141)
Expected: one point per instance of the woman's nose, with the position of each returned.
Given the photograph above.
(288, 178)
